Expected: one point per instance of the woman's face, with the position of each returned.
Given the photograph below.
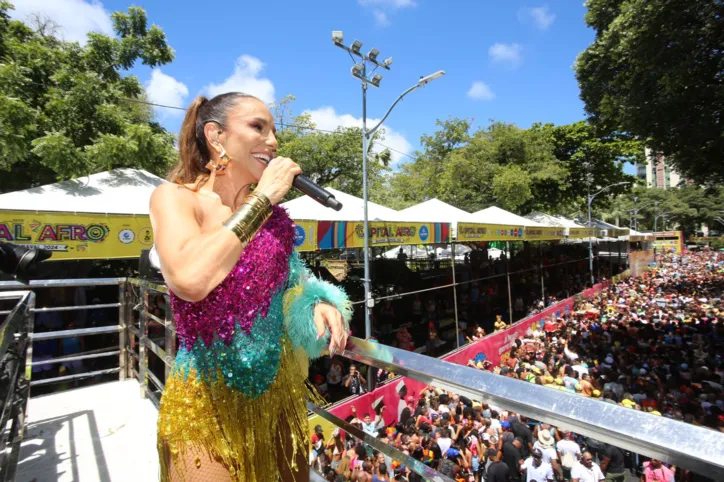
(249, 139)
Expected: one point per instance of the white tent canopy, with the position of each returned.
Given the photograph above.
(119, 191)
(352, 209)
(551, 220)
(495, 215)
(435, 211)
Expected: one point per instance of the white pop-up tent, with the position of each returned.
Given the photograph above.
(352, 209)
(436, 211)
(119, 191)
(551, 220)
(496, 215)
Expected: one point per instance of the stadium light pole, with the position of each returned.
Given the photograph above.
(591, 197)
(361, 72)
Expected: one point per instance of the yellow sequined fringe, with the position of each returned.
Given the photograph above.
(243, 434)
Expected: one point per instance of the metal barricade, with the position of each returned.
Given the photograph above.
(167, 352)
(119, 328)
(14, 354)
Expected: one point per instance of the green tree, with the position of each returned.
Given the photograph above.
(587, 156)
(654, 70)
(422, 179)
(64, 108)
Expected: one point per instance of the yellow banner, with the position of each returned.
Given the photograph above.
(394, 233)
(618, 232)
(544, 233)
(577, 233)
(305, 238)
(78, 236)
(489, 232)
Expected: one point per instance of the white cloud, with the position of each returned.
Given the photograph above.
(541, 17)
(480, 91)
(510, 54)
(245, 79)
(326, 118)
(164, 89)
(381, 18)
(75, 17)
(382, 9)
(388, 3)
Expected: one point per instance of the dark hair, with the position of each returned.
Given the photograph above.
(193, 151)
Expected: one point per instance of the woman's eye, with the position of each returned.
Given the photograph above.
(257, 126)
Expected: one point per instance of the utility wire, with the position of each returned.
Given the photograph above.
(174, 107)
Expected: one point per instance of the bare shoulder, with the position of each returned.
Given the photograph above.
(170, 194)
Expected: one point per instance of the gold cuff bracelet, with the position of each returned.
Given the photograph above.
(250, 217)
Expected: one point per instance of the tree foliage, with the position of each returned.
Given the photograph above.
(686, 208)
(542, 168)
(656, 70)
(64, 111)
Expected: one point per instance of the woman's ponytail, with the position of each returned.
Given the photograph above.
(193, 151)
(190, 166)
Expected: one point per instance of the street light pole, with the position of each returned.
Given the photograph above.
(590, 201)
(359, 70)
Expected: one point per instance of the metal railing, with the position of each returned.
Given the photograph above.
(15, 352)
(691, 447)
(119, 328)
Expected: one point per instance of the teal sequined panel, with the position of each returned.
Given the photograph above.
(249, 363)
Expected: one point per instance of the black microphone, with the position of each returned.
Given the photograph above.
(313, 190)
(316, 192)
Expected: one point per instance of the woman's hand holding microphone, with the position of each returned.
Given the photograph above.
(277, 179)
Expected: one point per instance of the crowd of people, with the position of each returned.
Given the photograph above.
(651, 343)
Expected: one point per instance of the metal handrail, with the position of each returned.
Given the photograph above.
(15, 351)
(61, 283)
(698, 449)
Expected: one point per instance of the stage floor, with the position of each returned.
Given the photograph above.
(101, 433)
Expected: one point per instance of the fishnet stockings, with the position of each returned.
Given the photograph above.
(199, 466)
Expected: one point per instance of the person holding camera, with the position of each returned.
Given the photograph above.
(354, 381)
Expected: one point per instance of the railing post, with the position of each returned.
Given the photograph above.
(31, 329)
(170, 337)
(143, 334)
(123, 330)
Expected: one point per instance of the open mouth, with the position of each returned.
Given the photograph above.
(262, 157)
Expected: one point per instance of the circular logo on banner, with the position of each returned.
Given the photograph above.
(145, 236)
(424, 233)
(126, 236)
(299, 236)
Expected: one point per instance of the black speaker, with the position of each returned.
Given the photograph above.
(146, 268)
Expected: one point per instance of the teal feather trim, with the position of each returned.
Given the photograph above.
(304, 293)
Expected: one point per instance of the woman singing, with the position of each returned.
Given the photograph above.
(248, 313)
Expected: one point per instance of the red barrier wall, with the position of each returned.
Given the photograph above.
(494, 346)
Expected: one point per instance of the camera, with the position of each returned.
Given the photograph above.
(20, 261)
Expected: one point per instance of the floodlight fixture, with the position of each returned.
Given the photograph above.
(358, 71)
(372, 55)
(376, 79)
(356, 46)
(387, 62)
(337, 36)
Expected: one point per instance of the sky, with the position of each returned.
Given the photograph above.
(508, 61)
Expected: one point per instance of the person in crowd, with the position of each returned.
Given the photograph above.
(586, 470)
